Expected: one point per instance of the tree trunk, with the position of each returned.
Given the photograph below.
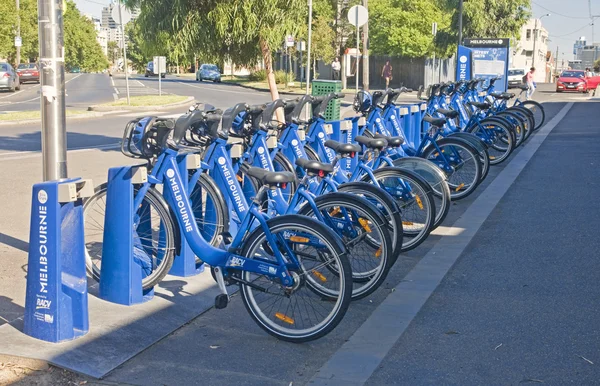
(268, 59)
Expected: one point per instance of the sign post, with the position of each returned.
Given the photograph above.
(122, 16)
(434, 33)
(357, 16)
(490, 59)
(159, 63)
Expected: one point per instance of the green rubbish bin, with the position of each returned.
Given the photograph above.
(324, 87)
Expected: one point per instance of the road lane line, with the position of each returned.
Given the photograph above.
(36, 98)
(361, 355)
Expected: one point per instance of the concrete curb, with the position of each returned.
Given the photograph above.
(141, 108)
(24, 122)
(262, 89)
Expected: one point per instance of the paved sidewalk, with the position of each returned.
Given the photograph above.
(521, 304)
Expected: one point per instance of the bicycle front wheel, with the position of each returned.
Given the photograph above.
(463, 159)
(153, 236)
(539, 115)
(322, 289)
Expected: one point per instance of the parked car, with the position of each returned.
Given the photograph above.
(9, 79)
(576, 80)
(515, 77)
(208, 72)
(150, 71)
(75, 70)
(28, 72)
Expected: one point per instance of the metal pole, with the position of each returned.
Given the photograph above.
(357, 56)
(534, 40)
(301, 69)
(125, 51)
(19, 32)
(159, 78)
(366, 50)
(52, 101)
(309, 43)
(433, 69)
(460, 17)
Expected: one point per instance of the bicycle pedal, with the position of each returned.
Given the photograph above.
(221, 301)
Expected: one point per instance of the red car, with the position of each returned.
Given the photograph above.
(576, 80)
(28, 72)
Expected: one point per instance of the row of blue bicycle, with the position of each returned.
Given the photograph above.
(302, 214)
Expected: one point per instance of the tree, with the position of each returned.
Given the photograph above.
(8, 29)
(81, 47)
(112, 49)
(403, 27)
(597, 65)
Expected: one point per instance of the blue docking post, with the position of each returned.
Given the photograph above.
(125, 257)
(184, 263)
(407, 124)
(56, 303)
(415, 132)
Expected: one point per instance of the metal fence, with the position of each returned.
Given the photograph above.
(409, 72)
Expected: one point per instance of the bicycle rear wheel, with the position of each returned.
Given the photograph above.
(364, 233)
(322, 289)
(154, 236)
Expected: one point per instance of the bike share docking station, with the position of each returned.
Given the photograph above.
(56, 303)
(128, 239)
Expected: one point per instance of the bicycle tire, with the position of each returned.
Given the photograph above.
(535, 107)
(386, 205)
(221, 221)
(341, 298)
(479, 145)
(366, 279)
(167, 226)
(436, 178)
(527, 116)
(423, 199)
(517, 123)
(500, 127)
(459, 188)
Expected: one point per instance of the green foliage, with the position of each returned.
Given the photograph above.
(282, 77)
(81, 47)
(113, 53)
(258, 76)
(597, 65)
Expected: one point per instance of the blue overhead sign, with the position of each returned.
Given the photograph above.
(464, 65)
(490, 59)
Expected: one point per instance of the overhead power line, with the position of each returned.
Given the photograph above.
(559, 14)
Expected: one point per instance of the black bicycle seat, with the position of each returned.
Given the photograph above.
(448, 113)
(344, 149)
(479, 105)
(523, 87)
(392, 141)
(371, 143)
(314, 167)
(437, 122)
(270, 179)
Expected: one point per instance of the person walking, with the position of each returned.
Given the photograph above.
(530, 83)
(336, 67)
(386, 73)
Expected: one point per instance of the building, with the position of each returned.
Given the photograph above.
(588, 54)
(113, 29)
(533, 34)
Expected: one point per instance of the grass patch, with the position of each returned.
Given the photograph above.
(148, 100)
(295, 88)
(24, 115)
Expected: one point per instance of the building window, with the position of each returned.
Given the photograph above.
(528, 35)
(529, 54)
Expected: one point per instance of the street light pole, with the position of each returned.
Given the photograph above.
(52, 80)
(19, 32)
(534, 54)
(308, 48)
(125, 52)
(366, 50)
(460, 17)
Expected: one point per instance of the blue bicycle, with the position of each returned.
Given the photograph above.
(292, 271)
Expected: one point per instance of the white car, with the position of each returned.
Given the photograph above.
(515, 77)
(9, 79)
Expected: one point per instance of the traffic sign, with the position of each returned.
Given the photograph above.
(160, 63)
(358, 15)
(289, 41)
(18, 41)
(125, 14)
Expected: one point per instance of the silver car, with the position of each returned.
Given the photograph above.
(9, 78)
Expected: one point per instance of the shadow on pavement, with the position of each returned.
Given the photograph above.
(14, 242)
(33, 141)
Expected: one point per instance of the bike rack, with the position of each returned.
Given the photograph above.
(56, 302)
(121, 273)
(184, 264)
(407, 122)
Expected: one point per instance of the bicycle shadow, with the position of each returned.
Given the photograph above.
(10, 312)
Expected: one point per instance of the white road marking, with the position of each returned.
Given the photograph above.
(36, 98)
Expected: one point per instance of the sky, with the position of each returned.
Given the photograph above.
(568, 20)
